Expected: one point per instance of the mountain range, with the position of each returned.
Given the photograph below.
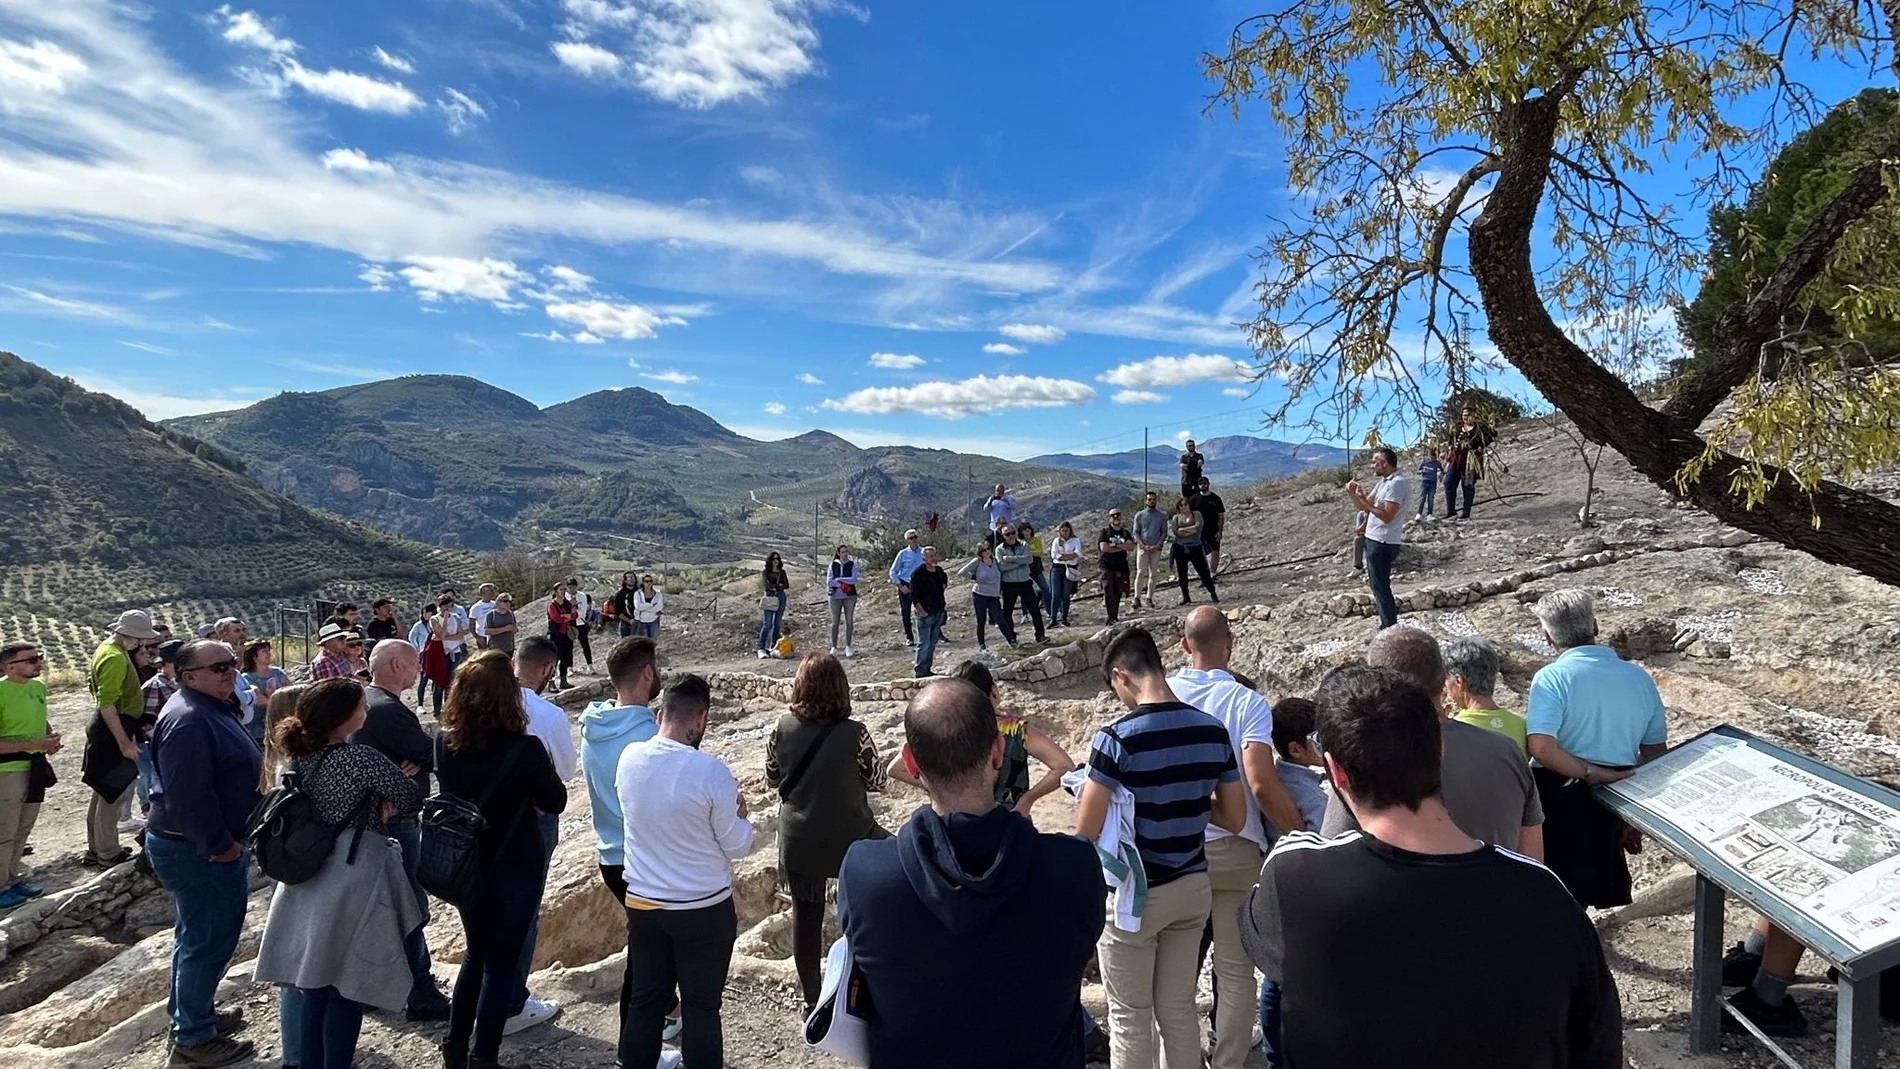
(1232, 460)
(453, 461)
(106, 511)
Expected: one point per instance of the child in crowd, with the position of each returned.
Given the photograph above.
(1429, 471)
(1300, 765)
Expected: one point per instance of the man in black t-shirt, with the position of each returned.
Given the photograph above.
(1213, 520)
(1190, 469)
(1114, 542)
(927, 585)
(1409, 942)
(382, 622)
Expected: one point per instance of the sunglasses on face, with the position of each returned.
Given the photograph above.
(32, 658)
(223, 668)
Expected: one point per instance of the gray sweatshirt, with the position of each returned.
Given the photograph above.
(1014, 560)
(1151, 527)
(988, 578)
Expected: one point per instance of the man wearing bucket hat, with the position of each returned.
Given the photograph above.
(110, 764)
(334, 661)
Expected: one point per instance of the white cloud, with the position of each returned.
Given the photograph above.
(552, 335)
(393, 62)
(36, 302)
(1139, 397)
(677, 378)
(1032, 333)
(40, 67)
(157, 405)
(583, 58)
(628, 322)
(349, 88)
(1176, 371)
(971, 397)
(461, 109)
(380, 278)
(1003, 348)
(695, 53)
(354, 161)
(1236, 391)
(896, 361)
(146, 347)
(810, 379)
(761, 175)
(773, 408)
(568, 280)
(436, 277)
(1183, 435)
(590, 338)
(245, 28)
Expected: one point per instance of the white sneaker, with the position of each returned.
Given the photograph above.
(533, 1012)
(763, 655)
(849, 652)
(672, 1030)
(833, 651)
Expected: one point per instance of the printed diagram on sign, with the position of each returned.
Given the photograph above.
(1831, 833)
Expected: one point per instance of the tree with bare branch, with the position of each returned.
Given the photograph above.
(1486, 160)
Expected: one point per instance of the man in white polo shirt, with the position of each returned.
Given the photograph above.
(478, 614)
(1384, 507)
(1233, 861)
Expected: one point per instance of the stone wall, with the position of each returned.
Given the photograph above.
(96, 905)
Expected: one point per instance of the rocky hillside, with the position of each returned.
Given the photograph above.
(106, 511)
(456, 462)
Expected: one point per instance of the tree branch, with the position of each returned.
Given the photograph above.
(1746, 328)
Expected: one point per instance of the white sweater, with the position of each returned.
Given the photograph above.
(683, 828)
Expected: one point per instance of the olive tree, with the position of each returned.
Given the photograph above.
(1493, 161)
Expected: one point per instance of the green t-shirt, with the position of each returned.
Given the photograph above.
(22, 716)
(115, 682)
(1502, 721)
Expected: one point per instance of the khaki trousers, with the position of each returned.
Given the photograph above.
(1150, 978)
(1233, 867)
(17, 817)
(102, 823)
(1148, 562)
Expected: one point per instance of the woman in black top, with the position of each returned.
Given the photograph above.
(353, 788)
(772, 623)
(486, 748)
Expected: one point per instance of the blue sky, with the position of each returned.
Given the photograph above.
(997, 226)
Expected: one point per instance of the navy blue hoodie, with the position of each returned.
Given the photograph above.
(971, 934)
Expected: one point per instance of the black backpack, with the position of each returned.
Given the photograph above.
(289, 839)
(450, 864)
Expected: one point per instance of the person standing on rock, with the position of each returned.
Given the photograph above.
(928, 586)
(208, 772)
(908, 560)
(967, 895)
(1190, 464)
(1001, 510)
(774, 584)
(1171, 768)
(685, 826)
(487, 751)
(1186, 530)
(1065, 572)
(535, 662)
(1151, 538)
(394, 730)
(1114, 543)
(501, 624)
(324, 938)
(1330, 916)
(457, 632)
(823, 765)
(1213, 513)
(841, 580)
(1464, 463)
(478, 613)
(1015, 559)
(1233, 858)
(585, 613)
(110, 765)
(1592, 717)
(1430, 470)
(607, 729)
(562, 614)
(986, 596)
(647, 603)
(25, 744)
(1487, 783)
(1385, 527)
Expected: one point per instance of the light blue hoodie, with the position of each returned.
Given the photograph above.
(606, 730)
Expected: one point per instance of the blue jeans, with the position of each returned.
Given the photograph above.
(651, 630)
(1428, 497)
(208, 900)
(550, 831)
(146, 773)
(1041, 579)
(929, 631)
(1270, 1024)
(407, 831)
(778, 620)
(1379, 556)
(328, 1027)
(1059, 596)
(768, 625)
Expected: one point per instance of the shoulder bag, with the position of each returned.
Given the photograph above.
(450, 862)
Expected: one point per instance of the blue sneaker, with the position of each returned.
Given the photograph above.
(12, 898)
(27, 889)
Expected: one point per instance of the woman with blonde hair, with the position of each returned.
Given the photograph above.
(822, 775)
(487, 757)
(283, 702)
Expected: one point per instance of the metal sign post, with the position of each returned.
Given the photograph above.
(1813, 849)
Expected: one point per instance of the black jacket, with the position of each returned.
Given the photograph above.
(392, 729)
(927, 588)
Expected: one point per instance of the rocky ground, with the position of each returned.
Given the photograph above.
(1735, 631)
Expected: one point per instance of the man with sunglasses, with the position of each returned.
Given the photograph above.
(23, 734)
(206, 788)
(110, 762)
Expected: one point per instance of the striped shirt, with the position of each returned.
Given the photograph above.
(1170, 756)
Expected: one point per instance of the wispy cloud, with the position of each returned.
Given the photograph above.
(810, 379)
(896, 361)
(360, 91)
(1176, 371)
(158, 405)
(147, 347)
(1139, 397)
(342, 369)
(629, 322)
(1003, 348)
(392, 61)
(461, 110)
(677, 378)
(1033, 333)
(773, 408)
(33, 301)
(970, 397)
